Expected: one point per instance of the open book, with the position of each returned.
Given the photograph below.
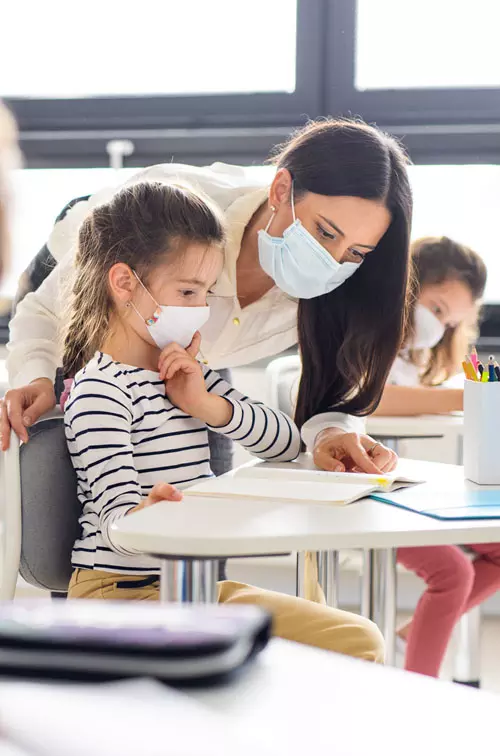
(299, 485)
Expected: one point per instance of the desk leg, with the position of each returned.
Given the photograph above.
(328, 574)
(210, 571)
(378, 598)
(299, 575)
(367, 584)
(171, 575)
(389, 605)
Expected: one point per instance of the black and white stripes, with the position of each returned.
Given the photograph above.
(124, 436)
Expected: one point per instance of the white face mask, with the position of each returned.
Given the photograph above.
(170, 324)
(298, 264)
(428, 329)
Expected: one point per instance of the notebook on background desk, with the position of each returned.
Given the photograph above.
(447, 504)
(298, 485)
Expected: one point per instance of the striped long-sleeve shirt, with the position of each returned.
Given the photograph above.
(124, 435)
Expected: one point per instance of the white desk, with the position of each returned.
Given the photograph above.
(294, 700)
(207, 529)
(392, 430)
(211, 528)
(309, 701)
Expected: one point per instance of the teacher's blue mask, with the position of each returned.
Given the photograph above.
(298, 264)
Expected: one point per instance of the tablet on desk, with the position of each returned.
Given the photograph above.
(89, 640)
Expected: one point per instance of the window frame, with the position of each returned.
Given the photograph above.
(399, 107)
(190, 111)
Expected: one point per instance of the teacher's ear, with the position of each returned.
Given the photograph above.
(280, 194)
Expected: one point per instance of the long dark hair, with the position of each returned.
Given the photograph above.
(349, 338)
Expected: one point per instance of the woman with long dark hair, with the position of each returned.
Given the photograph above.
(319, 256)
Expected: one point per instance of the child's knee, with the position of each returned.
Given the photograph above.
(364, 640)
(459, 578)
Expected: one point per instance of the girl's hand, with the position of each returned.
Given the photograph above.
(185, 385)
(159, 492)
(338, 451)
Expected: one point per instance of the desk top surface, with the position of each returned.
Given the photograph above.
(293, 700)
(215, 527)
(419, 426)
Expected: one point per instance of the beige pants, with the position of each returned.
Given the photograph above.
(295, 619)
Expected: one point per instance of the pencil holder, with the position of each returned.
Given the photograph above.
(481, 425)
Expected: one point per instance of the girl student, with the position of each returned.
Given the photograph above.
(451, 279)
(141, 403)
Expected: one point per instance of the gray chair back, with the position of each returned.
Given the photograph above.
(49, 507)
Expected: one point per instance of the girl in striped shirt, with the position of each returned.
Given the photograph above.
(141, 404)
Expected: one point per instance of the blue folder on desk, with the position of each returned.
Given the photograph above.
(446, 504)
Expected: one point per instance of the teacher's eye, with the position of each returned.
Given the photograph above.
(187, 292)
(358, 256)
(325, 234)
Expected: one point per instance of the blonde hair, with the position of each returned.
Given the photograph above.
(9, 158)
(434, 261)
(139, 226)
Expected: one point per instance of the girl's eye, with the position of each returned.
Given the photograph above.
(325, 234)
(436, 310)
(187, 292)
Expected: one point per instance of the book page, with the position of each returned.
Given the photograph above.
(281, 489)
(295, 473)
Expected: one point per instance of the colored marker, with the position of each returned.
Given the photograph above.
(472, 369)
(484, 377)
(492, 376)
(469, 371)
(474, 358)
(480, 368)
(497, 370)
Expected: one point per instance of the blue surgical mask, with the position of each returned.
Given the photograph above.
(298, 264)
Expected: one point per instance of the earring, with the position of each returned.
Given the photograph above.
(273, 208)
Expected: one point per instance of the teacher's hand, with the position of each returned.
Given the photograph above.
(338, 451)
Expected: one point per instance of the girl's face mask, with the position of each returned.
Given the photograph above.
(170, 324)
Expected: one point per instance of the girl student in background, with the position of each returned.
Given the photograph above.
(140, 406)
(450, 279)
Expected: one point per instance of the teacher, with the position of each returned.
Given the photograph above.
(319, 257)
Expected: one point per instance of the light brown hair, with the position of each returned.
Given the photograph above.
(139, 226)
(434, 261)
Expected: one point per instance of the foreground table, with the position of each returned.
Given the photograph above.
(312, 701)
(293, 700)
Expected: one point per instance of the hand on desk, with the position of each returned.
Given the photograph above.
(338, 451)
(159, 492)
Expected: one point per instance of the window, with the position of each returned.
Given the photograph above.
(167, 65)
(166, 48)
(416, 63)
(421, 44)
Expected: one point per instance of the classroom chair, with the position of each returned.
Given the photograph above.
(41, 510)
(282, 376)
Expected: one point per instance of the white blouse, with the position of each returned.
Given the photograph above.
(233, 336)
